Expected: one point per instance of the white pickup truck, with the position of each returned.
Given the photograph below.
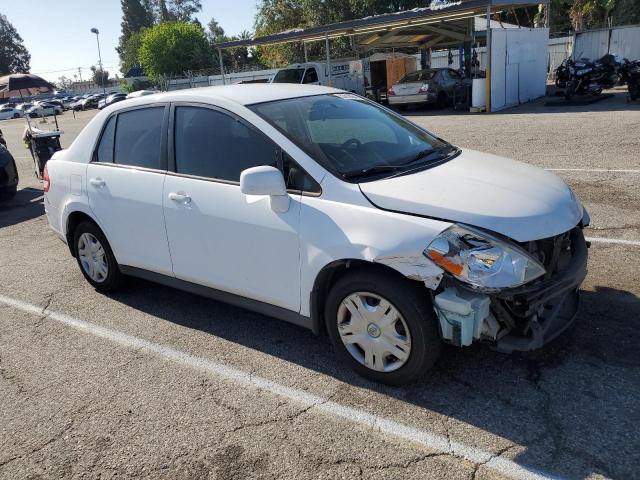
(345, 75)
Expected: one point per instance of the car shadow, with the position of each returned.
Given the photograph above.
(26, 205)
(565, 404)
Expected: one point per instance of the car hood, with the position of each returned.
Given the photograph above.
(512, 198)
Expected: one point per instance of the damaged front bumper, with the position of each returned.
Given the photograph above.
(523, 318)
(542, 311)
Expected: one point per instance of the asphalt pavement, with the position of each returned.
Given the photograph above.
(150, 382)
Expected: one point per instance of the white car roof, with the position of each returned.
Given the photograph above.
(243, 94)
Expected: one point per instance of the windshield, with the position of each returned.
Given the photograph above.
(289, 75)
(419, 76)
(352, 137)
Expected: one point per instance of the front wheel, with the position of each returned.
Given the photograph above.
(570, 90)
(95, 258)
(383, 326)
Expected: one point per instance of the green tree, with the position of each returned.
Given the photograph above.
(64, 82)
(14, 56)
(99, 76)
(129, 55)
(136, 15)
(626, 12)
(185, 10)
(215, 32)
(172, 10)
(172, 48)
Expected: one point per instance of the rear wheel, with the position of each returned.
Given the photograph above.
(382, 326)
(8, 194)
(95, 258)
(442, 100)
(16, 115)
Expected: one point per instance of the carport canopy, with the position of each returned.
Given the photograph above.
(442, 24)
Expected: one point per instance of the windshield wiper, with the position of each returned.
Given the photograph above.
(425, 154)
(422, 155)
(366, 171)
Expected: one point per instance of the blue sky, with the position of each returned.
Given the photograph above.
(57, 33)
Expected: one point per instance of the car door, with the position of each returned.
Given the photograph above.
(450, 77)
(124, 185)
(218, 236)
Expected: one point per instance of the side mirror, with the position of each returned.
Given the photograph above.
(266, 180)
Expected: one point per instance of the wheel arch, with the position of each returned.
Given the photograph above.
(329, 275)
(74, 219)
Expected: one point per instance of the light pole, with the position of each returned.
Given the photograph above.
(95, 30)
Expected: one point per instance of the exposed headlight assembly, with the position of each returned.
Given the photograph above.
(481, 260)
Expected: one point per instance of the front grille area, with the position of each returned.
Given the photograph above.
(553, 253)
(540, 310)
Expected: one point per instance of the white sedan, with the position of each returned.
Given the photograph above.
(44, 110)
(327, 210)
(9, 112)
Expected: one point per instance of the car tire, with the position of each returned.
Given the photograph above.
(89, 243)
(416, 317)
(442, 100)
(15, 115)
(8, 194)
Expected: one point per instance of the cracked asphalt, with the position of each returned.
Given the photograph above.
(76, 405)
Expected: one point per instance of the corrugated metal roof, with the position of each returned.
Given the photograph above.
(437, 10)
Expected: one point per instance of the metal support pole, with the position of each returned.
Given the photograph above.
(326, 46)
(304, 46)
(488, 66)
(221, 66)
(95, 30)
(547, 16)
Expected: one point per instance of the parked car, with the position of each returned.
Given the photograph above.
(9, 112)
(44, 110)
(67, 101)
(23, 107)
(328, 210)
(114, 98)
(8, 172)
(57, 103)
(86, 103)
(141, 93)
(346, 75)
(431, 86)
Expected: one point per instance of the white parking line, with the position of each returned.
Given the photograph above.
(426, 438)
(598, 170)
(619, 241)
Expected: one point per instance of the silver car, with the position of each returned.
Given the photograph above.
(430, 86)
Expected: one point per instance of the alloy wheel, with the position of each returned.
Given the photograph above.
(374, 332)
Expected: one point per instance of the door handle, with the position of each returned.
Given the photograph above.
(97, 182)
(180, 197)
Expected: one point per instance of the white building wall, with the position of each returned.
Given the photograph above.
(625, 42)
(591, 44)
(519, 61)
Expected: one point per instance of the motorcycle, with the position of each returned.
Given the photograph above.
(630, 74)
(583, 77)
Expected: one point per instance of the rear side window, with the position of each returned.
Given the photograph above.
(138, 136)
(105, 149)
(212, 144)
